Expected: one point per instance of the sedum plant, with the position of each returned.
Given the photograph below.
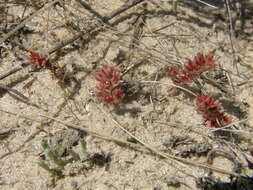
(56, 161)
(211, 111)
(109, 86)
(191, 70)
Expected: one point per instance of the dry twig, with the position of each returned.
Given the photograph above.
(110, 138)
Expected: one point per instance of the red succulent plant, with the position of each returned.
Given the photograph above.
(178, 76)
(37, 59)
(193, 69)
(109, 86)
(211, 111)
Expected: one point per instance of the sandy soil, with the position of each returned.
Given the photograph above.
(154, 111)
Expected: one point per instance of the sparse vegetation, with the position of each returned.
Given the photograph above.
(37, 59)
(192, 70)
(57, 155)
(109, 86)
(127, 75)
(210, 109)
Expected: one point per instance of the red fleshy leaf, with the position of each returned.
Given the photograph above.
(210, 110)
(37, 59)
(109, 87)
(193, 69)
(178, 76)
(108, 74)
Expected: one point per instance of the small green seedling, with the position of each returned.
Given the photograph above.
(56, 156)
(174, 6)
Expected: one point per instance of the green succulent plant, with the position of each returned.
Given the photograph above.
(56, 161)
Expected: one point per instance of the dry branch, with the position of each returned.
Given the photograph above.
(22, 24)
(68, 41)
(116, 140)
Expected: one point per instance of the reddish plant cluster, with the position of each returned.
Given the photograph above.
(210, 109)
(193, 69)
(37, 59)
(109, 87)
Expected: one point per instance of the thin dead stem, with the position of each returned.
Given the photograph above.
(22, 24)
(110, 138)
